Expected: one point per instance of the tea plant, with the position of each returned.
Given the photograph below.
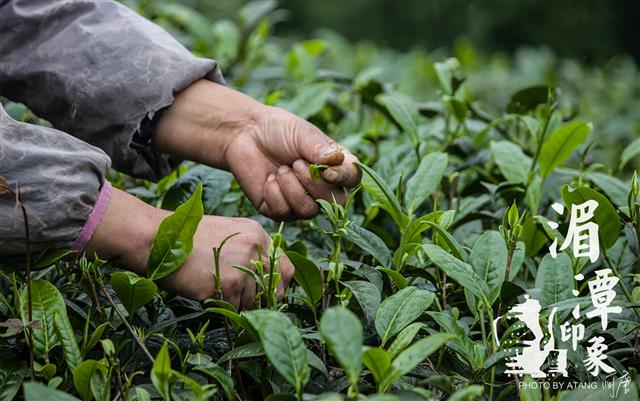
(400, 294)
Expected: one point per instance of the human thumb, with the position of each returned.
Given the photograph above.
(318, 148)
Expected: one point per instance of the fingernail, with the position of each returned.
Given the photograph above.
(299, 165)
(331, 175)
(271, 177)
(283, 169)
(331, 151)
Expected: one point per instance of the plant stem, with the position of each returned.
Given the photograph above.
(128, 326)
(543, 134)
(29, 296)
(94, 294)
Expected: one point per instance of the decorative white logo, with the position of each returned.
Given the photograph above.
(543, 348)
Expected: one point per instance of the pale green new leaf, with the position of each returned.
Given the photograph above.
(67, 338)
(404, 338)
(221, 376)
(310, 99)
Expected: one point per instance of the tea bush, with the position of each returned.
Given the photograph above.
(401, 294)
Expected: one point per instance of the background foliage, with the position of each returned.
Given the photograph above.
(395, 292)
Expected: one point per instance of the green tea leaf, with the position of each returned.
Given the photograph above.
(342, 332)
(47, 307)
(456, 249)
(605, 215)
(632, 150)
(468, 393)
(250, 350)
(367, 295)
(378, 361)
(404, 338)
(612, 187)
(514, 165)
(67, 338)
(415, 354)
(458, 108)
(399, 310)
(12, 374)
(37, 392)
(215, 185)
(396, 276)
(308, 276)
(369, 242)
(555, 279)
(310, 99)
(527, 99)
(561, 143)
(220, 375)
(174, 241)
(461, 272)
(445, 72)
(134, 291)
(471, 351)
(82, 375)
(376, 186)
(398, 112)
(283, 345)
(489, 261)
(161, 372)
(424, 182)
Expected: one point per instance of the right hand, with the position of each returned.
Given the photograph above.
(195, 280)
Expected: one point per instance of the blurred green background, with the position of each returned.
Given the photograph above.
(589, 49)
(590, 30)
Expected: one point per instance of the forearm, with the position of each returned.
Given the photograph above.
(125, 232)
(203, 120)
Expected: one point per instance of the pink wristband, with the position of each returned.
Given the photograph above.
(94, 217)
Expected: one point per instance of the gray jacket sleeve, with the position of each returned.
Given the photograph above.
(59, 178)
(96, 70)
